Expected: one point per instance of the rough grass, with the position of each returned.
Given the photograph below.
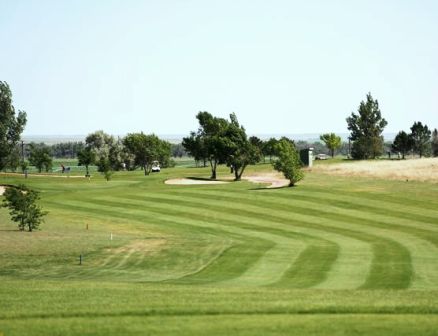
(425, 169)
(333, 256)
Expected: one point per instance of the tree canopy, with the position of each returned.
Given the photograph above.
(332, 141)
(420, 135)
(11, 125)
(288, 161)
(435, 142)
(240, 152)
(40, 156)
(146, 149)
(23, 206)
(366, 130)
(402, 143)
(221, 141)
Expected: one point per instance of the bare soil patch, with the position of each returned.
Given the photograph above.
(187, 181)
(416, 169)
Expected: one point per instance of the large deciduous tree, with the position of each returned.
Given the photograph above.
(332, 142)
(420, 135)
(402, 143)
(240, 152)
(195, 146)
(146, 149)
(24, 208)
(288, 161)
(269, 148)
(108, 152)
(40, 156)
(211, 135)
(86, 157)
(11, 125)
(221, 141)
(366, 130)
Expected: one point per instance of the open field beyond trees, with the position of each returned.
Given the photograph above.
(335, 255)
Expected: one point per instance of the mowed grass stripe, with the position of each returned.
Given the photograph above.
(397, 275)
(318, 205)
(266, 270)
(247, 252)
(349, 271)
(423, 250)
(315, 258)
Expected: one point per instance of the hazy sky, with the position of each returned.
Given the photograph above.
(281, 66)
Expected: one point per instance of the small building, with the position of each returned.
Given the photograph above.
(306, 156)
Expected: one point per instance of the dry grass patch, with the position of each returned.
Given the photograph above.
(144, 246)
(416, 170)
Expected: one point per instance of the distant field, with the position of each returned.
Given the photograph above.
(337, 255)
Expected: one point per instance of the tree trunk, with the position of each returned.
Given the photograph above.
(238, 175)
(213, 165)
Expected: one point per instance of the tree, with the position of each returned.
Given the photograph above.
(402, 143)
(366, 130)
(146, 149)
(40, 156)
(23, 206)
(11, 126)
(435, 142)
(86, 157)
(332, 141)
(288, 161)
(211, 135)
(269, 148)
(420, 135)
(195, 146)
(107, 150)
(240, 152)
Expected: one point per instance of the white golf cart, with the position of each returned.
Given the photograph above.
(156, 167)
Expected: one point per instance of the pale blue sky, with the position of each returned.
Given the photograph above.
(281, 66)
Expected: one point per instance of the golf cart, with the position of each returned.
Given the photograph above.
(156, 167)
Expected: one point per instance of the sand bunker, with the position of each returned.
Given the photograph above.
(187, 181)
(274, 180)
(415, 169)
(2, 190)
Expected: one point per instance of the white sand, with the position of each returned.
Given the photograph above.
(274, 180)
(185, 181)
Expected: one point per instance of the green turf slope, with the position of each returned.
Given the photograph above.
(333, 256)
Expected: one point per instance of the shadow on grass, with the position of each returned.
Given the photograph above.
(207, 179)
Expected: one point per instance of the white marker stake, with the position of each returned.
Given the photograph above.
(111, 237)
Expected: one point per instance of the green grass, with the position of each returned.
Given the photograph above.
(333, 256)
